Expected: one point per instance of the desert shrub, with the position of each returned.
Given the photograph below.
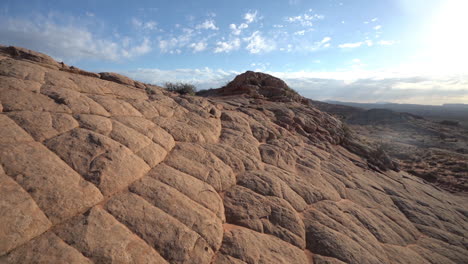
(347, 131)
(181, 88)
(205, 92)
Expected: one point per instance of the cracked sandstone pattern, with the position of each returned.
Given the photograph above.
(96, 170)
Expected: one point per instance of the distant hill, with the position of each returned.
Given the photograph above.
(457, 112)
(428, 141)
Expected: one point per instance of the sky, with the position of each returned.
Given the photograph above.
(403, 51)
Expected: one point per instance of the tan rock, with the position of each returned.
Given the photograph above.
(252, 247)
(123, 172)
(22, 70)
(47, 248)
(181, 207)
(21, 219)
(269, 215)
(192, 187)
(100, 160)
(57, 189)
(149, 129)
(11, 133)
(115, 77)
(77, 102)
(44, 125)
(21, 100)
(26, 54)
(201, 164)
(115, 107)
(96, 123)
(172, 239)
(104, 240)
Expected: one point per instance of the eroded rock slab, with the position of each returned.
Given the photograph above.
(101, 168)
(21, 218)
(99, 159)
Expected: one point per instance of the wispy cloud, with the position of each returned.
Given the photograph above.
(227, 46)
(300, 33)
(305, 20)
(356, 44)
(143, 48)
(250, 17)
(199, 46)
(256, 43)
(67, 41)
(237, 30)
(369, 86)
(138, 24)
(207, 24)
(352, 85)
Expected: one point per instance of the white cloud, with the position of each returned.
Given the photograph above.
(372, 86)
(199, 46)
(68, 42)
(324, 43)
(207, 24)
(143, 48)
(227, 46)
(150, 25)
(250, 17)
(137, 23)
(167, 45)
(356, 44)
(260, 67)
(174, 44)
(378, 27)
(326, 39)
(89, 14)
(374, 19)
(305, 19)
(300, 32)
(350, 45)
(350, 85)
(258, 44)
(237, 30)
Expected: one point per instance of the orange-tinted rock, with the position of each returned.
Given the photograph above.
(115, 171)
(21, 218)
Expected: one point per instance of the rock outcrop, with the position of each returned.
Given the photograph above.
(257, 85)
(97, 169)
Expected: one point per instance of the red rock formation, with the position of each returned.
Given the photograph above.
(98, 171)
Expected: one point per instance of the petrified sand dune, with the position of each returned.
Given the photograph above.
(98, 168)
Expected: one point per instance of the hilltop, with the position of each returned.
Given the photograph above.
(99, 168)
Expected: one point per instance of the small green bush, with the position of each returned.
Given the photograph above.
(181, 88)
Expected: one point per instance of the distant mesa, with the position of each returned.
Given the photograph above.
(380, 116)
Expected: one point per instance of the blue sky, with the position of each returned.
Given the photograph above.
(408, 51)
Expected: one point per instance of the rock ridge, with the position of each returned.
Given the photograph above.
(98, 168)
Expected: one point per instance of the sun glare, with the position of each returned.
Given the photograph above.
(447, 38)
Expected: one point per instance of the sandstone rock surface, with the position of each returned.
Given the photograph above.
(96, 168)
